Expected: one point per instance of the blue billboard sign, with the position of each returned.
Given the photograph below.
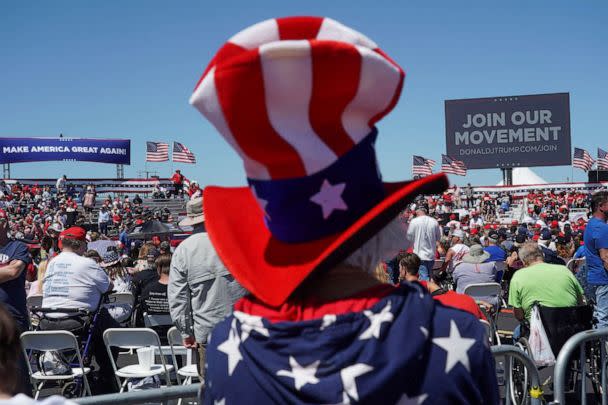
(20, 150)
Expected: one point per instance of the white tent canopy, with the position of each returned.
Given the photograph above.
(524, 176)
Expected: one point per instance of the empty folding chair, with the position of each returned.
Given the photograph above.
(136, 338)
(189, 371)
(57, 341)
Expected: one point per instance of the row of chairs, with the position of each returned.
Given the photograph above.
(124, 338)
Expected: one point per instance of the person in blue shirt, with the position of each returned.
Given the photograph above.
(596, 254)
(497, 254)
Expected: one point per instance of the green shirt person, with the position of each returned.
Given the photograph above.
(550, 285)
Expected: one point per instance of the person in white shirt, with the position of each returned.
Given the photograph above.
(61, 184)
(476, 220)
(424, 233)
(103, 220)
(456, 252)
(77, 282)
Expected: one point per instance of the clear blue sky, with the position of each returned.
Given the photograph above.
(125, 69)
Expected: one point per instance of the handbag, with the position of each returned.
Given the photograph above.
(540, 348)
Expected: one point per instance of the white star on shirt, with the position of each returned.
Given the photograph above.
(301, 375)
(231, 348)
(330, 198)
(405, 400)
(376, 321)
(328, 320)
(349, 385)
(424, 331)
(220, 402)
(249, 323)
(456, 347)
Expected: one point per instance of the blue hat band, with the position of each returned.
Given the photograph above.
(312, 207)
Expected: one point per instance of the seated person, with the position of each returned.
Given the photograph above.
(121, 280)
(147, 274)
(408, 271)
(497, 254)
(153, 299)
(473, 269)
(550, 285)
(456, 251)
(74, 281)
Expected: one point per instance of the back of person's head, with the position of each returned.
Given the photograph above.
(597, 199)
(530, 253)
(93, 254)
(410, 264)
(10, 352)
(163, 264)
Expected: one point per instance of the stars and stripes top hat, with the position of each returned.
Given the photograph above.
(298, 99)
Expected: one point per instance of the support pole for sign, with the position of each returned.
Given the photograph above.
(120, 171)
(507, 176)
(6, 170)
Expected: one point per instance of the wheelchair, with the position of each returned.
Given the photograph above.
(82, 323)
(560, 325)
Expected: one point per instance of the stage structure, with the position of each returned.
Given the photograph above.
(24, 150)
(508, 132)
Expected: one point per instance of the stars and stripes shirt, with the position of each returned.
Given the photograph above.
(422, 166)
(602, 159)
(181, 154)
(392, 345)
(157, 151)
(582, 159)
(453, 166)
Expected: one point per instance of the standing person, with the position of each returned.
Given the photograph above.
(14, 257)
(424, 233)
(103, 220)
(468, 192)
(596, 253)
(61, 184)
(178, 183)
(201, 290)
(315, 220)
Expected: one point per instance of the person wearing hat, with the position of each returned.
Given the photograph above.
(476, 221)
(121, 282)
(298, 98)
(74, 281)
(178, 183)
(456, 251)
(476, 267)
(497, 254)
(201, 290)
(544, 241)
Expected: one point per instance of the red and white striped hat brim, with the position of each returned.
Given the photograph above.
(292, 95)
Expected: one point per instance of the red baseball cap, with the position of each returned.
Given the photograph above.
(554, 224)
(535, 237)
(515, 222)
(537, 226)
(74, 232)
(474, 231)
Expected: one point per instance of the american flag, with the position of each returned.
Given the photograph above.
(181, 154)
(344, 357)
(582, 159)
(453, 166)
(602, 159)
(157, 151)
(422, 166)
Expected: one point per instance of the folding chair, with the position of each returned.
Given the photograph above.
(574, 264)
(122, 298)
(480, 292)
(53, 340)
(189, 371)
(34, 301)
(135, 338)
(489, 332)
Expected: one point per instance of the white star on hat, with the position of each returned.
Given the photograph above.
(330, 198)
(301, 375)
(263, 203)
(220, 402)
(349, 385)
(456, 347)
(328, 320)
(249, 323)
(231, 348)
(405, 400)
(376, 321)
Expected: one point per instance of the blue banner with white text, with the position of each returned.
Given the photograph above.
(19, 150)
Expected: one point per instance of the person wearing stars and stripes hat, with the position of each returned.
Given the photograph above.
(298, 99)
